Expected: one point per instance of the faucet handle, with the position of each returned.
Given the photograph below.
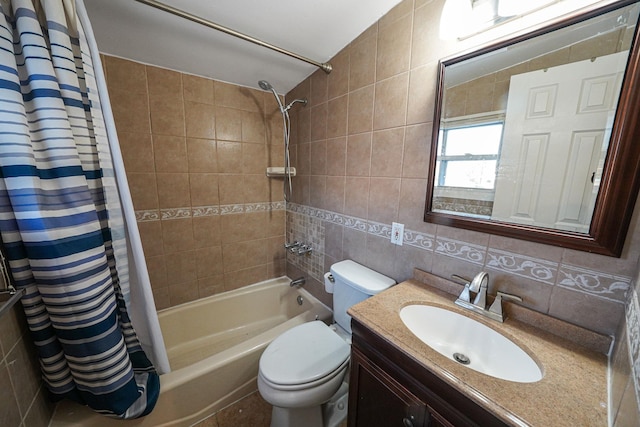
(496, 307)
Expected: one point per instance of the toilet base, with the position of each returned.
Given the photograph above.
(296, 417)
(329, 414)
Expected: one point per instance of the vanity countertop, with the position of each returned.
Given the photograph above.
(572, 392)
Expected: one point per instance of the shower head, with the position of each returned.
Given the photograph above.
(265, 85)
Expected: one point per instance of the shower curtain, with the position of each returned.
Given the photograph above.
(67, 227)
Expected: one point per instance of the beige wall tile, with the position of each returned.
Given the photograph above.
(207, 231)
(157, 267)
(384, 194)
(359, 154)
(130, 111)
(335, 191)
(229, 157)
(151, 236)
(243, 255)
(211, 285)
(202, 155)
(181, 268)
(317, 191)
(177, 236)
(337, 117)
(318, 93)
(254, 158)
(125, 75)
(200, 120)
(243, 227)
(421, 94)
(241, 98)
(356, 196)
(204, 189)
(318, 158)
(256, 188)
(209, 261)
(390, 108)
(167, 116)
(303, 159)
(387, 153)
(361, 110)
(394, 42)
(412, 201)
(173, 190)
(337, 156)
(197, 89)
(231, 188)
(144, 192)
(183, 292)
(338, 80)
(417, 145)
(319, 121)
(170, 153)
(137, 151)
(165, 85)
(228, 124)
(253, 128)
(362, 61)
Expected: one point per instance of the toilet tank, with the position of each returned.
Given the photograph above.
(354, 283)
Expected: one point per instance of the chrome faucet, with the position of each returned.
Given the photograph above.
(479, 286)
(304, 249)
(300, 281)
(292, 246)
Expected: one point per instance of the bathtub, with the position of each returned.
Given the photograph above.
(214, 345)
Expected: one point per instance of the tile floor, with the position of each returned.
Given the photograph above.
(252, 411)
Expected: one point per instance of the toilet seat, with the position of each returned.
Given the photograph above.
(304, 356)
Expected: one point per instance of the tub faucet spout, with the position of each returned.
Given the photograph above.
(300, 281)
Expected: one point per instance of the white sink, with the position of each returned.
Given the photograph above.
(470, 343)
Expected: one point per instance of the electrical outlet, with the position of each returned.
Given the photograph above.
(397, 233)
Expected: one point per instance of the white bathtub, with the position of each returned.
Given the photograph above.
(214, 345)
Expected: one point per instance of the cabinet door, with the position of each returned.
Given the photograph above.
(381, 401)
(434, 419)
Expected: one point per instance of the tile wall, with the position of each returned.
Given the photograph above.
(361, 148)
(195, 152)
(24, 400)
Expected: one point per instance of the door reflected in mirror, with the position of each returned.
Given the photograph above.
(527, 134)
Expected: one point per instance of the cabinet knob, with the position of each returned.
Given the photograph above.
(407, 421)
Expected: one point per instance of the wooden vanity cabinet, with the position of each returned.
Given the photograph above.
(388, 388)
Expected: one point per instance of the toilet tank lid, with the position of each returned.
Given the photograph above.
(360, 277)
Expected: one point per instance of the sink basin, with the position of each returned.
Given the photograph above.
(470, 343)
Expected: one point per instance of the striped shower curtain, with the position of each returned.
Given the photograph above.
(61, 220)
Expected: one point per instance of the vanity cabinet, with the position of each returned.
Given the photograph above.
(388, 388)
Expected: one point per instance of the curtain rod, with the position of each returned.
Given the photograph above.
(325, 66)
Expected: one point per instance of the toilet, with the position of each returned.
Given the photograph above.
(303, 371)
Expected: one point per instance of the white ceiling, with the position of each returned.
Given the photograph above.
(312, 28)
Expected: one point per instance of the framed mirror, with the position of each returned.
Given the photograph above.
(538, 137)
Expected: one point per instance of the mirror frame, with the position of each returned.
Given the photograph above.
(621, 175)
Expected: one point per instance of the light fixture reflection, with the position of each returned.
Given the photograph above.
(455, 19)
(519, 7)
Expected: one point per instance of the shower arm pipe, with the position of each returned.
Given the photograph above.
(324, 66)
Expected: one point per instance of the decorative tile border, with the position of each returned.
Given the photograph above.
(602, 285)
(461, 250)
(203, 211)
(607, 286)
(633, 337)
(523, 266)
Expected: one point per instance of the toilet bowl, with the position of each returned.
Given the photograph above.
(303, 372)
(300, 370)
